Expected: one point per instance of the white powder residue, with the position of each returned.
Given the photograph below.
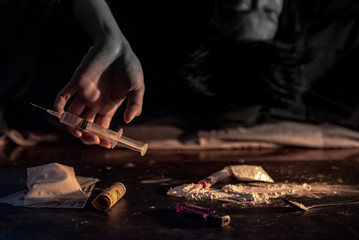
(255, 193)
(188, 191)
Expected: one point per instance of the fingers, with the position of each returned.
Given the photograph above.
(64, 95)
(134, 105)
(76, 107)
(104, 121)
(60, 102)
(87, 138)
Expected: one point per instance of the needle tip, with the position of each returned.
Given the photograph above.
(33, 104)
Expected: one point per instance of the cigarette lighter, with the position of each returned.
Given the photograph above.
(210, 217)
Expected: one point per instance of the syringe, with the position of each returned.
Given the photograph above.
(95, 129)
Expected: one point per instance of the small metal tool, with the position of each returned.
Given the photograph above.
(301, 207)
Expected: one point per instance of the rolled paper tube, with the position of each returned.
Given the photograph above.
(105, 200)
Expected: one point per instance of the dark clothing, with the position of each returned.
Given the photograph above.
(332, 30)
(323, 89)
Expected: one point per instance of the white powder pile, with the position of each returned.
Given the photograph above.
(254, 193)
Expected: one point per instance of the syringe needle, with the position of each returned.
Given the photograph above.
(33, 104)
(52, 112)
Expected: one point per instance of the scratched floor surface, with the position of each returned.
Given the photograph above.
(146, 212)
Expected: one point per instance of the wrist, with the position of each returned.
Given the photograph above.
(115, 43)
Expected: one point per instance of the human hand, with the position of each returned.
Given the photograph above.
(108, 74)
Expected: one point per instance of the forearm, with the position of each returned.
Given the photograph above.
(95, 17)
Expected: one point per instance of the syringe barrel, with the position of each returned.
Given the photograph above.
(101, 132)
(104, 133)
(89, 127)
(133, 145)
(70, 120)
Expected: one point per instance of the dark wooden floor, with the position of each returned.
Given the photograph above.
(146, 212)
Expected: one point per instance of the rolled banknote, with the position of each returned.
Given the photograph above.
(105, 200)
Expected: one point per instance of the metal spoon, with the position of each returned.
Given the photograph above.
(301, 207)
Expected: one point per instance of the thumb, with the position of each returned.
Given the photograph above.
(134, 105)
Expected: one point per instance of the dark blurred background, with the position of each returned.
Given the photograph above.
(41, 47)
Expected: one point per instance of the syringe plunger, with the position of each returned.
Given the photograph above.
(134, 145)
